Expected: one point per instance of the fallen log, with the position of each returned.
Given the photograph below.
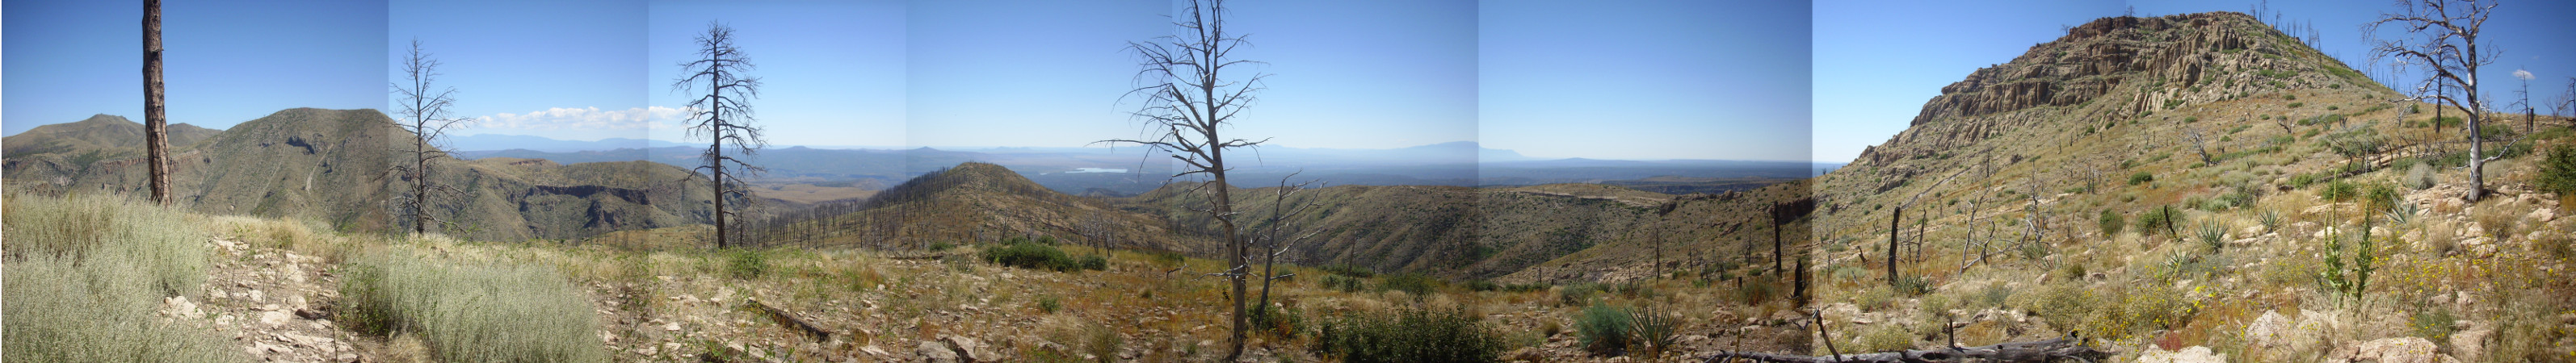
(2052, 350)
(789, 321)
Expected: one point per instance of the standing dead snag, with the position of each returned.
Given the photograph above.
(2449, 48)
(425, 116)
(1187, 100)
(156, 120)
(721, 115)
(1279, 235)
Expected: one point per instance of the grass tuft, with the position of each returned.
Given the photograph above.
(85, 275)
(472, 312)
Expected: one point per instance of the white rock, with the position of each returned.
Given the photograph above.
(932, 351)
(2268, 330)
(2193, 354)
(2391, 350)
(275, 318)
(673, 326)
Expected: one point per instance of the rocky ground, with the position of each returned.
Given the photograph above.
(273, 302)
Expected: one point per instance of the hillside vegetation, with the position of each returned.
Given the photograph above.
(329, 166)
(2192, 185)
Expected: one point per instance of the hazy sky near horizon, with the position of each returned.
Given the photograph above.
(1866, 93)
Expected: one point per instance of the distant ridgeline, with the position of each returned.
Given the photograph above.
(328, 166)
(1521, 234)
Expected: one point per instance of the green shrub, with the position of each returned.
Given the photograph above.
(2358, 142)
(2111, 222)
(1282, 322)
(1050, 304)
(2558, 171)
(1885, 337)
(85, 275)
(1342, 283)
(1095, 263)
(2141, 178)
(2156, 220)
(746, 263)
(1031, 255)
(472, 312)
(1579, 293)
(1605, 330)
(1349, 270)
(1411, 283)
(1410, 335)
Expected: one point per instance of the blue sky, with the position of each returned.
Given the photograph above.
(832, 73)
(1870, 81)
(1646, 79)
(559, 69)
(68, 60)
(1627, 80)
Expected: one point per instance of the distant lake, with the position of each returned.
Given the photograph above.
(1097, 170)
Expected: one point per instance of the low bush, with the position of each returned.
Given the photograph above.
(1411, 283)
(1579, 293)
(1410, 335)
(2111, 223)
(472, 312)
(746, 263)
(1283, 322)
(1605, 330)
(1349, 270)
(2158, 219)
(2141, 178)
(1095, 263)
(1342, 283)
(1033, 255)
(2558, 171)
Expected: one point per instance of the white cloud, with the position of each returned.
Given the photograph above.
(2523, 74)
(589, 118)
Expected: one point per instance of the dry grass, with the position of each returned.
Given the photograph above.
(470, 312)
(85, 275)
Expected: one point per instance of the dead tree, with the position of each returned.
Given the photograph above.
(2448, 46)
(2198, 143)
(721, 115)
(1281, 233)
(423, 107)
(156, 119)
(1188, 97)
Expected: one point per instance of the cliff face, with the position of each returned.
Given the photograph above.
(2112, 70)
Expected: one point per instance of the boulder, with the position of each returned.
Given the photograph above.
(2390, 350)
(2193, 354)
(933, 351)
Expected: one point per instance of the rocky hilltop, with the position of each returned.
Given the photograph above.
(2117, 69)
(2196, 186)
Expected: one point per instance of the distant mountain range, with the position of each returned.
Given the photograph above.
(540, 143)
(1128, 170)
(329, 166)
